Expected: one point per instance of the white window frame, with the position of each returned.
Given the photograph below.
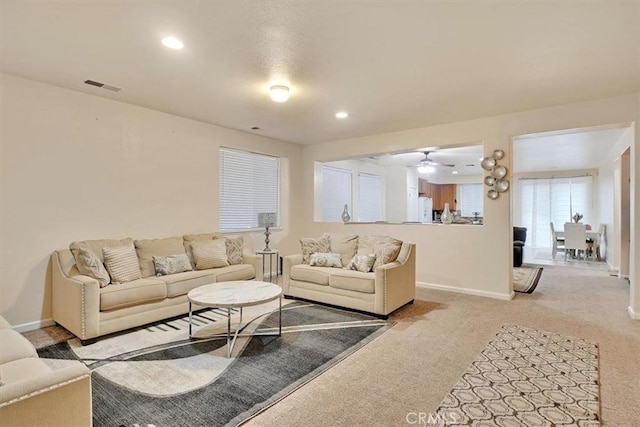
(262, 198)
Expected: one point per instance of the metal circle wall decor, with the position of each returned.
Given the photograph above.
(497, 178)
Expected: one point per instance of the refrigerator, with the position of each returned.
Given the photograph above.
(425, 210)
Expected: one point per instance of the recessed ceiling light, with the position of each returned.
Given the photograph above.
(172, 43)
(454, 172)
(342, 115)
(279, 93)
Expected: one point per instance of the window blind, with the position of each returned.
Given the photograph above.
(249, 184)
(369, 197)
(470, 198)
(556, 200)
(336, 192)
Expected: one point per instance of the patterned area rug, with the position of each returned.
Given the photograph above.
(525, 279)
(526, 377)
(157, 376)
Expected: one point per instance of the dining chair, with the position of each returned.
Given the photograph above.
(598, 242)
(575, 238)
(557, 241)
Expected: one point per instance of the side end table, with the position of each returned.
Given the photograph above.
(268, 256)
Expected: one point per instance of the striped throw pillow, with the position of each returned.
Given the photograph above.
(210, 254)
(122, 263)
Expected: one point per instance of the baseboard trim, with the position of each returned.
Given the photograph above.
(633, 314)
(34, 325)
(467, 291)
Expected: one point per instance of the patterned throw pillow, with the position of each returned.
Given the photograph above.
(363, 263)
(210, 254)
(171, 264)
(312, 245)
(320, 259)
(90, 265)
(385, 253)
(122, 263)
(234, 250)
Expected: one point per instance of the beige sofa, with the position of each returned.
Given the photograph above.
(90, 311)
(387, 288)
(40, 392)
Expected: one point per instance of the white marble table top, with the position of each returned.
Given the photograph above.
(238, 293)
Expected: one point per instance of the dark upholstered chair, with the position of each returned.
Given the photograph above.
(519, 237)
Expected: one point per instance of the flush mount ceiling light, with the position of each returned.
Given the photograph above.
(454, 172)
(342, 115)
(172, 43)
(279, 93)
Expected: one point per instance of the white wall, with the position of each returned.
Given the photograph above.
(634, 268)
(606, 184)
(475, 258)
(76, 166)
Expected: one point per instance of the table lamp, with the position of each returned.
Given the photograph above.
(266, 220)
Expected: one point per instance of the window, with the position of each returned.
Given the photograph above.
(470, 199)
(369, 197)
(336, 192)
(556, 200)
(249, 184)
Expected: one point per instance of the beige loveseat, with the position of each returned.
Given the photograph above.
(387, 288)
(90, 311)
(40, 392)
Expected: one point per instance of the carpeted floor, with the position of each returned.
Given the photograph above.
(410, 369)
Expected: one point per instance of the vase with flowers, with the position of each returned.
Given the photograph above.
(577, 217)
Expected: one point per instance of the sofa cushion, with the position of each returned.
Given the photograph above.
(190, 238)
(234, 250)
(210, 254)
(235, 272)
(362, 263)
(321, 259)
(312, 245)
(90, 265)
(132, 293)
(122, 263)
(182, 283)
(353, 281)
(306, 273)
(14, 346)
(96, 246)
(386, 253)
(23, 369)
(147, 249)
(367, 243)
(171, 264)
(344, 244)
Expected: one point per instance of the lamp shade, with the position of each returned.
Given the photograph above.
(267, 219)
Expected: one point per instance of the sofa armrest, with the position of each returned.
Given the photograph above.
(75, 301)
(288, 262)
(60, 397)
(256, 262)
(395, 282)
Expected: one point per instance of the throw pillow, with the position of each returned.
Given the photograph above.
(147, 249)
(367, 243)
(90, 265)
(321, 259)
(363, 263)
(312, 245)
(385, 253)
(171, 264)
(122, 263)
(210, 253)
(234, 250)
(343, 244)
(190, 238)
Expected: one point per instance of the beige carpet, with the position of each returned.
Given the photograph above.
(411, 368)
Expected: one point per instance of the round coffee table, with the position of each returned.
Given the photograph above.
(235, 294)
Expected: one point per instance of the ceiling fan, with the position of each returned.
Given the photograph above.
(429, 162)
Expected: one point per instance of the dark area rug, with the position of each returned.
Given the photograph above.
(155, 375)
(525, 279)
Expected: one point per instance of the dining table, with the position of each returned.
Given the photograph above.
(592, 237)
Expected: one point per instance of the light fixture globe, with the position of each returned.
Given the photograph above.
(279, 93)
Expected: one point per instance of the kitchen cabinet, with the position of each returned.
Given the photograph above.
(439, 193)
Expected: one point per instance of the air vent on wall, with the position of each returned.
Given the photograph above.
(103, 85)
